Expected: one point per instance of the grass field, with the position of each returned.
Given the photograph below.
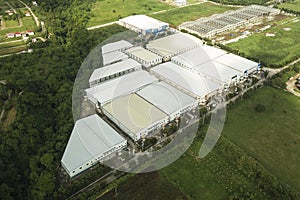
(11, 23)
(104, 11)
(271, 136)
(178, 16)
(295, 5)
(146, 186)
(12, 50)
(11, 44)
(278, 50)
(11, 115)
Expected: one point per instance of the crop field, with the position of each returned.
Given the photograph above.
(293, 5)
(105, 11)
(11, 44)
(179, 15)
(11, 23)
(277, 50)
(271, 136)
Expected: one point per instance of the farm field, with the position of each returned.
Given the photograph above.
(105, 11)
(271, 136)
(293, 5)
(275, 51)
(11, 44)
(179, 15)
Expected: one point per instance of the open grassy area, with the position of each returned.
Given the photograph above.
(278, 50)
(271, 136)
(104, 11)
(11, 23)
(28, 23)
(10, 118)
(11, 44)
(179, 15)
(293, 5)
(145, 186)
(12, 50)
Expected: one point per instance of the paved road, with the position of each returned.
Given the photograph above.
(290, 85)
(34, 17)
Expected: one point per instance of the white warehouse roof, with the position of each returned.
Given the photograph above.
(113, 69)
(195, 84)
(165, 97)
(143, 22)
(90, 138)
(134, 112)
(173, 44)
(143, 53)
(218, 71)
(116, 46)
(198, 56)
(112, 57)
(119, 86)
(236, 62)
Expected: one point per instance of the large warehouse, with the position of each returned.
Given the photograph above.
(197, 56)
(135, 116)
(168, 99)
(116, 46)
(112, 71)
(243, 65)
(210, 26)
(119, 86)
(189, 82)
(92, 140)
(172, 45)
(143, 56)
(143, 24)
(113, 57)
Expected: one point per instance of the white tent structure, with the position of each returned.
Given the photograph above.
(92, 140)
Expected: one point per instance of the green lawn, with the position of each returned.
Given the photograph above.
(293, 5)
(11, 23)
(272, 136)
(104, 11)
(179, 15)
(278, 50)
(28, 24)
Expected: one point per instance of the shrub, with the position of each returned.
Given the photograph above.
(260, 108)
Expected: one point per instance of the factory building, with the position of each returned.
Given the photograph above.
(144, 56)
(92, 141)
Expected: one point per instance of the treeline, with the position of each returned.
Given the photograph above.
(42, 83)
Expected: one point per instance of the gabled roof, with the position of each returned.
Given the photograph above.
(91, 136)
(143, 22)
(113, 69)
(115, 46)
(114, 56)
(165, 97)
(120, 86)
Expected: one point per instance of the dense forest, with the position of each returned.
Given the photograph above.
(41, 84)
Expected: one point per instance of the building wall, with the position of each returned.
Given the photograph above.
(99, 158)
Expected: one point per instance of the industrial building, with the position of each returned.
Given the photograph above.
(116, 46)
(210, 26)
(113, 57)
(112, 71)
(172, 45)
(186, 81)
(168, 99)
(126, 84)
(92, 140)
(197, 56)
(144, 56)
(243, 65)
(135, 116)
(143, 24)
